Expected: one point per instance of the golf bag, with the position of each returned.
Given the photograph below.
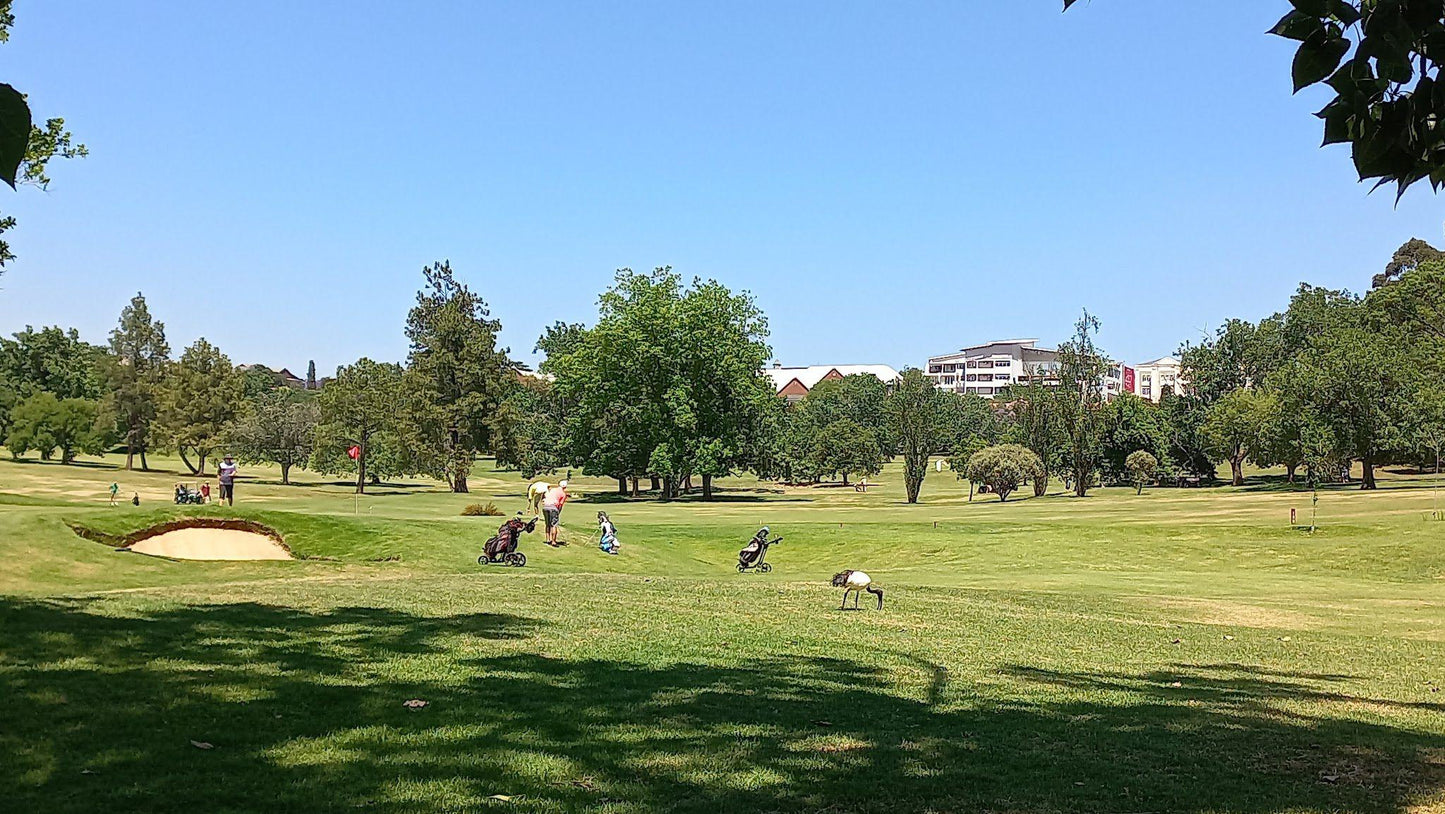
(501, 549)
(753, 554)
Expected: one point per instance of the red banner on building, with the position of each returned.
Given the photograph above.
(1128, 379)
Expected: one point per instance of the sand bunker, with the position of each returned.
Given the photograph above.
(212, 544)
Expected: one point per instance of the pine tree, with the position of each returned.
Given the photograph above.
(311, 375)
(134, 371)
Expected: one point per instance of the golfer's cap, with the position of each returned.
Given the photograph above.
(563, 484)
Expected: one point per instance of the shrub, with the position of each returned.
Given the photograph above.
(1004, 468)
(1141, 467)
(479, 510)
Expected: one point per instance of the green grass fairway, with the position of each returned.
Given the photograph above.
(1179, 651)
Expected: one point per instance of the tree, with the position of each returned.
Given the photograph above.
(1232, 428)
(1414, 301)
(1004, 468)
(1080, 401)
(1131, 424)
(531, 428)
(1353, 375)
(1382, 60)
(455, 359)
(1189, 453)
(918, 424)
(200, 398)
(52, 360)
(44, 423)
(668, 382)
(311, 375)
(357, 409)
(25, 147)
(1141, 467)
(846, 447)
(1223, 364)
(276, 429)
(134, 371)
(1408, 257)
(1036, 424)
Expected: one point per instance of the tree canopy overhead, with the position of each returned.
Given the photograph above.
(1381, 58)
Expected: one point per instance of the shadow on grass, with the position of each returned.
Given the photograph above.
(304, 709)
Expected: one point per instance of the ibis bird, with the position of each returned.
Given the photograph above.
(856, 582)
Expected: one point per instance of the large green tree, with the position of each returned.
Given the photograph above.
(1232, 429)
(456, 364)
(358, 408)
(45, 423)
(277, 428)
(667, 382)
(1131, 424)
(134, 372)
(1036, 424)
(201, 396)
(53, 360)
(918, 422)
(1081, 402)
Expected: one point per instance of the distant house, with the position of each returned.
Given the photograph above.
(989, 369)
(793, 383)
(283, 377)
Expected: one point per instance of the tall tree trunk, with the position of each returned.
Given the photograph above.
(1041, 486)
(707, 487)
(635, 490)
(668, 485)
(845, 478)
(129, 456)
(185, 460)
(1081, 482)
(459, 483)
(1236, 470)
(656, 484)
(145, 467)
(622, 487)
(687, 485)
(361, 470)
(1367, 472)
(285, 473)
(1289, 477)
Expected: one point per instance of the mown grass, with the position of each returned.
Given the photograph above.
(1183, 650)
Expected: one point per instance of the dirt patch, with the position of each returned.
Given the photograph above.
(1225, 612)
(200, 538)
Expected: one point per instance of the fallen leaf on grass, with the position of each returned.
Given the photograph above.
(1176, 641)
(501, 798)
(1176, 683)
(415, 703)
(1228, 638)
(823, 723)
(202, 745)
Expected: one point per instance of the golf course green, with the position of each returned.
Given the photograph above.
(1178, 650)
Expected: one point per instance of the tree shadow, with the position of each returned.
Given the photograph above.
(305, 713)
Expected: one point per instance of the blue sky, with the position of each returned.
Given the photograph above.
(891, 180)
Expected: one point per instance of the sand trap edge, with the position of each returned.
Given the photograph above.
(124, 542)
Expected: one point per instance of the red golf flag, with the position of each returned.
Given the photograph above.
(354, 452)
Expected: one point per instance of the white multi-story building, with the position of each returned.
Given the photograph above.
(987, 369)
(1155, 378)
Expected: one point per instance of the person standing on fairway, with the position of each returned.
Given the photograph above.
(552, 504)
(226, 475)
(114, 490)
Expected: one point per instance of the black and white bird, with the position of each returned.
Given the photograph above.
(856, 582)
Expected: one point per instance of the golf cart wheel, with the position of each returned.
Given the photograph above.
(482, 560)
(742, 568)
(517, 559)
(765, 568)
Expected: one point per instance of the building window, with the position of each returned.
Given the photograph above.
(985, 391)
(935, 368)
(973, 377)
(971, 364)
(971, 389)
(1146, 390)
(1001, 376)
(985, 364)
(949, 368)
